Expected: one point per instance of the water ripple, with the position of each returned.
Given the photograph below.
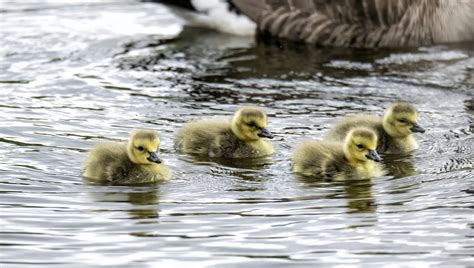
(74, 74)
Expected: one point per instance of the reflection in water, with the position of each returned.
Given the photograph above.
(359, 195)
(399, 165)
(257, 163)
(357, 192)
(145, 203)
(245, 169)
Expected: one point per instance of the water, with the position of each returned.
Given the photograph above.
(74, 73)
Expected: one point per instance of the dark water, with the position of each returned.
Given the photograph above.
(74, 73)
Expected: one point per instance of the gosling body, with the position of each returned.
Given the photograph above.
(394, 130)
(354, 157)
(240, 138)
(134, 162)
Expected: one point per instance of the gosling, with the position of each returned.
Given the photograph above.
(239, 138)
(133, 162)
(355, 157)
(394, 130)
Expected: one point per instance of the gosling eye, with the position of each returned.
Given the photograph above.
(403, 121)
(251, 124)
(360, 146)
(140, 148)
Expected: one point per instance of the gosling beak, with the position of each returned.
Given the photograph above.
(154, 158)
(373, 155)
(417, 128)
(265, 133)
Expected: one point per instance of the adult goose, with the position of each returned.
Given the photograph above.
(349, 23)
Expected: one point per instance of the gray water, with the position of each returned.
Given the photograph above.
(74, 73)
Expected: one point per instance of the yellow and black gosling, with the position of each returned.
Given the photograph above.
(394, 130)
(242, 137)
(355, 157)
(134, 162)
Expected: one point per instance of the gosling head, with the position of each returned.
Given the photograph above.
(142, 147)
(250, 124)
(400, 120)
(360, 145)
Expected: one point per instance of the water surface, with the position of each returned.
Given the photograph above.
(75, 73)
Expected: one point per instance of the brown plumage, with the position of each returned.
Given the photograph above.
(363, 23)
